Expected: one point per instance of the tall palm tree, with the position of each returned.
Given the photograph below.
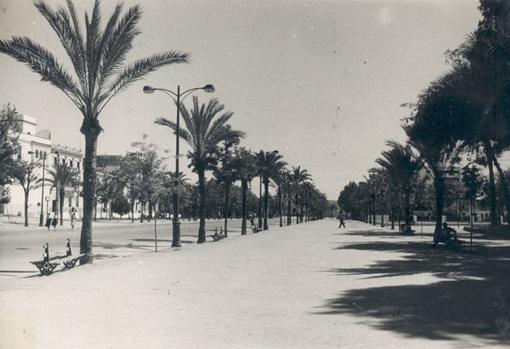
(98, 58)
(298, 176)
(270, 164)
(204, 130)
(401, 167)
(282, 181)
(244, 164)
(63, 176)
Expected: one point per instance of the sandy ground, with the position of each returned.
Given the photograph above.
(305, 286)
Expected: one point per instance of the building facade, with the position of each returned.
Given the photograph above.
(36, 146)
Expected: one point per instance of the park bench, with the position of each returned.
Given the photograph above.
(217, 236)
(449, 240)
(255, 229)
(47, 265)
(406, 230)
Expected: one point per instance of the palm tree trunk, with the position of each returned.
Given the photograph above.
(504, 186)
(297, 213)
(280, 206)
(439, 189)
(244, 188)
(492, 186)
(302, 212)
(392, 218)
(61, 206)
(202, 194)
(260, 203)
(406, 211)
(225, 212)
(289, 209)
(89, 192)
(266, 203)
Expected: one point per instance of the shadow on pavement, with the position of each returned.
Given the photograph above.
(473, 299)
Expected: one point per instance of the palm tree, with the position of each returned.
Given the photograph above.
(270, 164)
(401, 167)
(204, 130)
(244, 164)
(98, 58)
(298, 176)
(282, 181)
(63, 176)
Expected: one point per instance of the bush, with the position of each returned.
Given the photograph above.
(120, 206)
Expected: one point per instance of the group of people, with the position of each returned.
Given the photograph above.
(52, 221)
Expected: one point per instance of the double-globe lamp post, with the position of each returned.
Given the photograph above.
(178, 98)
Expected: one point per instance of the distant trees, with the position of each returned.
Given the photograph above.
(9, 147)
(462, 114)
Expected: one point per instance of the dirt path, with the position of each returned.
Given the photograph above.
(305, 286)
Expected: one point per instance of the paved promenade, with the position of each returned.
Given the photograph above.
(306, 286)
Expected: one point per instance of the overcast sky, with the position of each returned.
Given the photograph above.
(321, 81)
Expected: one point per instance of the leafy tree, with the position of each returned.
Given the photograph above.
(204, 130)
(25, 175)
(9, 147)
(438, 125)
(120, 205)
(473, 182)
(97, 56)
(226, 174)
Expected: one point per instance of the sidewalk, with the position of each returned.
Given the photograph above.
(305, 286)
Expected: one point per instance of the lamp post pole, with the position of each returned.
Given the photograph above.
(178, 98)
(176, 224)
(41, 215)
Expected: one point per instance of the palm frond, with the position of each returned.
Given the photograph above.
(183, 133)
(69, 35)
(139, 69)
(117, 41)
(41, 61)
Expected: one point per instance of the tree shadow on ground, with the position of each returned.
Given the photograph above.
(381, 233)
(472, 299)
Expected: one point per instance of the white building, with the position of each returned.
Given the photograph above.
(36, 146)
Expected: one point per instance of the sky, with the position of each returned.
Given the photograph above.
(321, 81)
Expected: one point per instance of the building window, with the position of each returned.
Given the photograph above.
(78, 165)
(71, 163)
(37, 154)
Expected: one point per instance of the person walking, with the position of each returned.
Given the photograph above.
(73, 218)
(48, 221)
(341, 221)
(54, 221)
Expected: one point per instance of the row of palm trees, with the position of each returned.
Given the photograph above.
(98, 59)
(463, 116)
(214, 146)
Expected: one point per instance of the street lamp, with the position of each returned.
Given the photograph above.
(178, 99)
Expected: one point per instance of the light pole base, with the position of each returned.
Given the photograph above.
(41, 220)
(176, 233)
